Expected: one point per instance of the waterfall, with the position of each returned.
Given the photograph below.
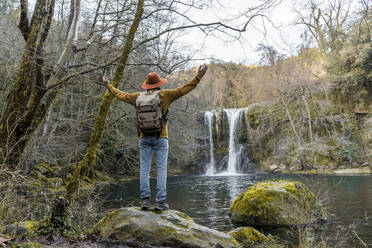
(233, 160)
(208, 117)
(233, 115)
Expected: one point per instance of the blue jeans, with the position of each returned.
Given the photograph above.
(159, 146)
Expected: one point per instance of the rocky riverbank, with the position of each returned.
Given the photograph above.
(265, 204)
(364, 169)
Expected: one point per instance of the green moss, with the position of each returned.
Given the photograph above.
(26, 245)
(247, 234)
(48, 170)
(321, 160)
(275, 203)
(255, 115)
(30, 224)
(55, 182)
(167, 228)
(21, 229)
(185, 216)
(104, 221)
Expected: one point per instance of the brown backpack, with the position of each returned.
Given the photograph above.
(150, 120)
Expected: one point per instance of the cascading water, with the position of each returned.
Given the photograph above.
(233, 118)
(208, 117)
(233, 115)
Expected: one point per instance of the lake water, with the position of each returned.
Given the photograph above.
(207, 198)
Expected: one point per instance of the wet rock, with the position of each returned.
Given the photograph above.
(223, 164)
(244, 162)
(168, 228)
(276, 203)
(247, 235)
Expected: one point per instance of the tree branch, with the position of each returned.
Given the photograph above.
(23, 21)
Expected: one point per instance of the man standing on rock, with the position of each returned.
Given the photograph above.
(153, 129)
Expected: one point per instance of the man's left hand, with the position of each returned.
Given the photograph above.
(104, 79)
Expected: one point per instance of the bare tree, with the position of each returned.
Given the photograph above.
(37, 86)
(29, 99)
(90, 155)
(326, 22)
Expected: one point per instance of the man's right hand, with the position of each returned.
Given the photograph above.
(202, 70)
(104, 79)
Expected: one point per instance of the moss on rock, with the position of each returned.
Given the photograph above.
(247, 235)
(167, 228)
(276, 203)
(24, 228)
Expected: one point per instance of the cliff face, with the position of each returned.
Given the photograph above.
(293, 133)
(308, 133)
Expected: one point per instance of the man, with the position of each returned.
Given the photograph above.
(157, 142)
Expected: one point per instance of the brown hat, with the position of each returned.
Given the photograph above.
(153, 81)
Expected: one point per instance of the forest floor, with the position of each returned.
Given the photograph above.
(61, 242)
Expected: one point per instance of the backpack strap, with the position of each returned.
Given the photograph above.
(164, 116)
(156, 92)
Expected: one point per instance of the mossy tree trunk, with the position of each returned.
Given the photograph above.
(89, 158)
(30, 99)
(14, 125)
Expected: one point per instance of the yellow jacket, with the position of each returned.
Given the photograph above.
(166, 96)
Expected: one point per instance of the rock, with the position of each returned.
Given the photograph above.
(168, 228)
(295, 166)
(365, 164)
(276, 203)
(247, 235)
(223, 164)
(273, 167)
(20, 229)
(244, 162)
(282, 167)
(362, 170)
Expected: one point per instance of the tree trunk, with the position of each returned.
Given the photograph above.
(89, 158)
(14, 126)
(30, 98)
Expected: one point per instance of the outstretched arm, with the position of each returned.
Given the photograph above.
(124, 96)
(174, 94)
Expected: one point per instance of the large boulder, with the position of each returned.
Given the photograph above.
(167, 228)
(276, 203)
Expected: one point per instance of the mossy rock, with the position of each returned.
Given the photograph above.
(21, 229)
(167, 228)
(276, 203)
(247, 235)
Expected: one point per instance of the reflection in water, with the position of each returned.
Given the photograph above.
(207, 198)
(212, 206)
